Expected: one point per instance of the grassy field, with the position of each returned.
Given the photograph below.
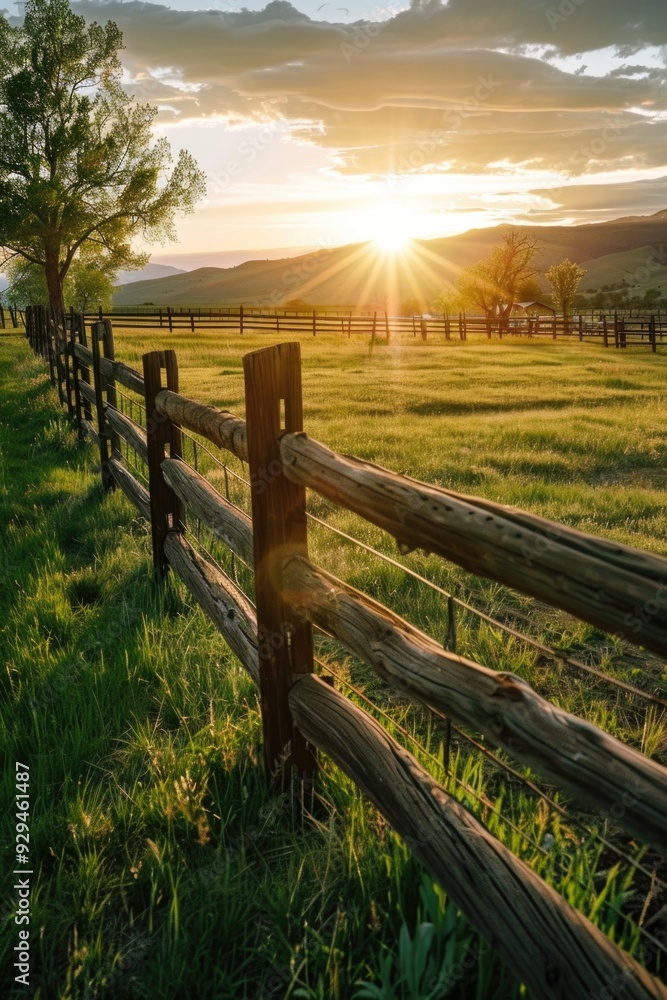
(162, 867)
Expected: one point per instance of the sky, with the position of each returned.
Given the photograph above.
(320, 125)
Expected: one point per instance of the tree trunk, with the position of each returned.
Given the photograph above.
(54, 283)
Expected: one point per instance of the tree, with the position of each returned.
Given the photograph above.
(27, 284)
(90, 282)
(87, 284)
(77, 168)
(411, 307)
(564, 279)
(495, 283)
(447, 301)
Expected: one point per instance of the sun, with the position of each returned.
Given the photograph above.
(392, 229)
(391, 240)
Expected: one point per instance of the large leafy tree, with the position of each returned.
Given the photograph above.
(79, 172)
(504, 277)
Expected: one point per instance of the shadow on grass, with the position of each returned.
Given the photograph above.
(442, 407)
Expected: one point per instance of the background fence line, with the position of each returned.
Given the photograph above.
(620, 328)
(556, 952)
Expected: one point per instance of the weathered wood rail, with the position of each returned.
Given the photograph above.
(596, 580)
(548, 945)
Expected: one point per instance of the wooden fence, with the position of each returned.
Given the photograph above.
(547, 944)
(16, 316)
(611, 330)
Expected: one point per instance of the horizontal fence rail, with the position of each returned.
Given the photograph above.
(548, 945)
(595, 767)
(617, 329)
(599, 581)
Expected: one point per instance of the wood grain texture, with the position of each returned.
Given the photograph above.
(596, 580)
(129, 430)
(112, 370)
(601, 771)
(220, 598)
(274, 405)
(109, 386)
(118, 372)
(84, 354)
(131, 487)
(89, 429)
(97, 334)
(547, 944)
(222, 428)
(231, 525)
(158, 433)
(87, 361)
(88, 393)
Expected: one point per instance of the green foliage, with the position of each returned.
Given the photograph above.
(27, 284)
(448, 301)
(77, 167)
(495, 283)
(565, 279)
(89, 283)
(411, 307)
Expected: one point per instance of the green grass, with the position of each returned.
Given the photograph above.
(162, 866)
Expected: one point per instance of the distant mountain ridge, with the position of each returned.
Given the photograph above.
(148, 273)
(357, 275)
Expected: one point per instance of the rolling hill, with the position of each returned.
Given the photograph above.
(359, 275)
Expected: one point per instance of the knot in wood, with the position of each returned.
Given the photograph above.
(508, 686)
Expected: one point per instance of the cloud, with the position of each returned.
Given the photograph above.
(456, 87)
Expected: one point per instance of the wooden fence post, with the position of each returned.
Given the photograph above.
(241, 320)
(97, 334)
(2, 317)
(85, 373)
(69, 390)
(74, 325)
(651, 334)
(167, 510)
(47, 344)
(55, 321)
(274, 405)
(386, 326)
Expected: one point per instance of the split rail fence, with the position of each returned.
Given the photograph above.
(549, 945)
(610, 330)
